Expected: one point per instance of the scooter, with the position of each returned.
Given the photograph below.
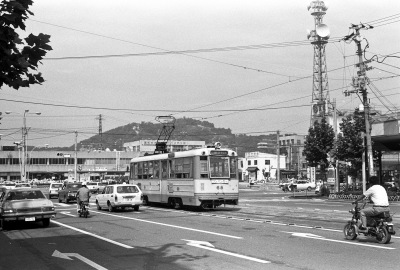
(84, 211)
(379, 226)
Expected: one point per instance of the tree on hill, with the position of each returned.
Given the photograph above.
(19, 58)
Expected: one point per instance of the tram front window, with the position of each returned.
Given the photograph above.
(219, 167)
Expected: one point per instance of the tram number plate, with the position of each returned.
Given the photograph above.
(219, 181)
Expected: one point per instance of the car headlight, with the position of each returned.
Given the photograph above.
(8, 211)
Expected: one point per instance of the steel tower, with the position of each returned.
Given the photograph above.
(319, 37)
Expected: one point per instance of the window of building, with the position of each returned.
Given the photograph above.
(249, 162)
(255, 162)
(267, 162)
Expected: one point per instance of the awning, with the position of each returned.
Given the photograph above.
(252, 169)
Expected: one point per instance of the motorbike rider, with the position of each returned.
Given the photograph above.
(377, 194)
(82, 195)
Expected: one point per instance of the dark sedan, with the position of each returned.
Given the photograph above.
(68, 192)
(26, 205)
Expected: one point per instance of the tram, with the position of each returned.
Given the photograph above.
(206, 177)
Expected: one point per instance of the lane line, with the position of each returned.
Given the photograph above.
(92, 234)
(169, 225)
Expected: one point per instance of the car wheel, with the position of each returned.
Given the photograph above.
(98, 205)
(136, 208)
(5, 225)
(110, 207)
(46, 222)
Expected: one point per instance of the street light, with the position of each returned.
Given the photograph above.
(30, 158)
(24, 142)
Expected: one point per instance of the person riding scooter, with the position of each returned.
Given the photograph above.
(377, 194)
(82, 195)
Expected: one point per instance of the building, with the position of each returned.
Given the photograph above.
(148, 146)
(260, 166)
(56, 165)
(294, 146)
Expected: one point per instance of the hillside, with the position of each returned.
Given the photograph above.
(185, 129)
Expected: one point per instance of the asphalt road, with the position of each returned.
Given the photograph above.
(267, 230)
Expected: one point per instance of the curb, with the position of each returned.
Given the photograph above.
(353, 197)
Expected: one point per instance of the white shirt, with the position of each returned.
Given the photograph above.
(378, 195)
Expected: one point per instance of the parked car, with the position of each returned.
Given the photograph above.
(303, 185)
(23, 185)
(9, 185)
(54, 188)
(26, 205)
(68, 192)
(120, 196)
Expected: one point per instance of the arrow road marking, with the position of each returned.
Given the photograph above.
(209, 246)
(67, 256)
(318, 237)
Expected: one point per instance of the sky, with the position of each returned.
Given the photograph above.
(252, 75)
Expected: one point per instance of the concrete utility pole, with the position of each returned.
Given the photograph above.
(278, 169)
(76, 154)
(359, 83)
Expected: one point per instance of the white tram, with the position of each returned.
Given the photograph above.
(206, 177)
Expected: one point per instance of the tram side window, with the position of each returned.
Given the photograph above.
(233, 168)
(183, 168)
(164, 169)
(151, 172)
(140, 170)
(145, 170)
(171, 166)
(203, 167)
(156, 169)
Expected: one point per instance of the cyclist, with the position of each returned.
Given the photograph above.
(82, 195)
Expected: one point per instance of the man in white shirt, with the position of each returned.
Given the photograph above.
(377, 194)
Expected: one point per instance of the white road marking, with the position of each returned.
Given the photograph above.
(68, 214)
(209, 246)
(67, 256)
(313, 236)
(169, 225)
(91, 234)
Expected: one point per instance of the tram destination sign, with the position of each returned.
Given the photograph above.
(218, 153)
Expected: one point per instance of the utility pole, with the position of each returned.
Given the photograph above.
(278, 170)
(359, 83)
(76, 154)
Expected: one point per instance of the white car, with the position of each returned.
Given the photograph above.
(93, 186)
(120, 196)
(54, 188)
(304, 185)
(23, 185)
(9, 185)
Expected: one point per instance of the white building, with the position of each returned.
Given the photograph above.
(259, 166)
(148, 146)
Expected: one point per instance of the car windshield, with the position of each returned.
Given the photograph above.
(74, 185)
(9, 184)
(24, 195)
(127, 189)
(92, 183)
(56, 185)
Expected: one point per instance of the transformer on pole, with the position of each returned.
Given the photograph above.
(319, 37)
